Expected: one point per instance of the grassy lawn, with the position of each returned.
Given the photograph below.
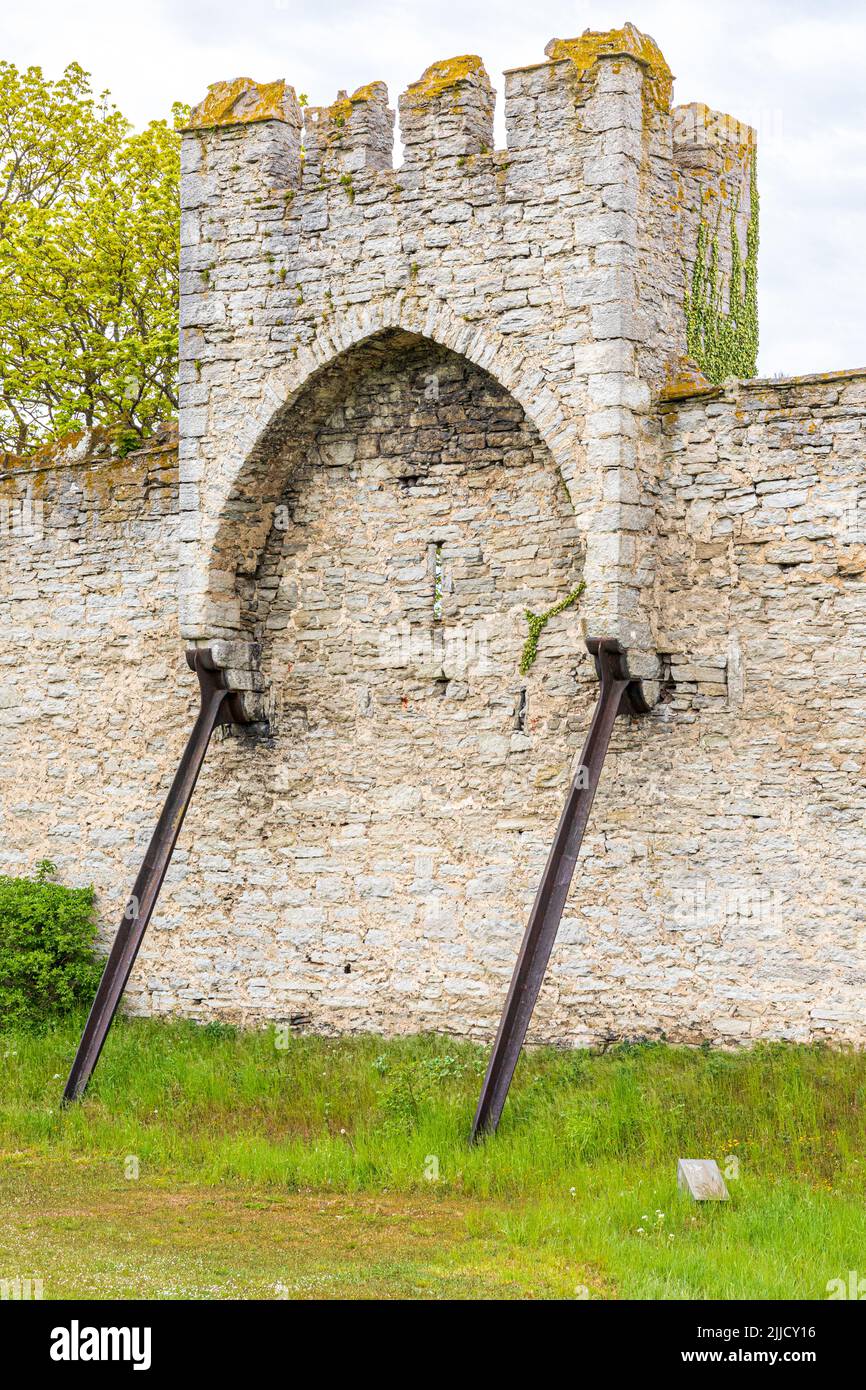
(340, 1168)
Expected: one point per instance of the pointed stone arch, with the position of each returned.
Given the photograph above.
(231, 495)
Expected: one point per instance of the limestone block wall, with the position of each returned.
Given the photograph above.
(762, 600)
(418, 403)
(370, 864)
(94, 698)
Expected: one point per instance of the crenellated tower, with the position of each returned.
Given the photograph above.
(563, 265)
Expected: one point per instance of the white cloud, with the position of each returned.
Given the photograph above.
(773, 62)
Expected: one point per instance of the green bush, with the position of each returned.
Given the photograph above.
(47, 963)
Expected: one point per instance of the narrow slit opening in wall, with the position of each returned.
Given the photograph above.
(520, 711)
(438, 582)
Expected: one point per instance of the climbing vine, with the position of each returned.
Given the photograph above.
(725, 344)
(538, 622)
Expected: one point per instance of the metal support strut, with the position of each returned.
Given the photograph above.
(619, 694)
(219, 705)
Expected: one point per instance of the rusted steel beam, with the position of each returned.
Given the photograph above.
(619, 694)
(218, 706)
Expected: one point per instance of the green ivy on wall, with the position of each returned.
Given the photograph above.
(538, 622)
(725, 344)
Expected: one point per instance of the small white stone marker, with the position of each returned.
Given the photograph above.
(701, 1178)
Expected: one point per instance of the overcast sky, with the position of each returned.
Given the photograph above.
(797, 71)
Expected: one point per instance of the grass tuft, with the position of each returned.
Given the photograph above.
(581, 1176)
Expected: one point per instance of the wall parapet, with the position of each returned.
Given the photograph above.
(738, 388)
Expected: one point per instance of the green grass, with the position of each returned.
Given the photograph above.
(341, 1168)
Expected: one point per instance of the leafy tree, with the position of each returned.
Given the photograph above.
(89, 218)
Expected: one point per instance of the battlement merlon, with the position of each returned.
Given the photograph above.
(447, 115)
(714, 158)
(627, 42)
(353, 134)
(714, 164)
(265, 116)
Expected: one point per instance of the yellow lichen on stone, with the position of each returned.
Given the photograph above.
(340, 110)
(592, 44)
(698, 113)
(718, 128)
(442, 77)
(242, 101)
(371, 91)
(684, 378)
(332, 120)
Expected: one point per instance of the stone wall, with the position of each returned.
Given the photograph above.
(371, 862)
(762, 603)
(95, 697)
(416, 404)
